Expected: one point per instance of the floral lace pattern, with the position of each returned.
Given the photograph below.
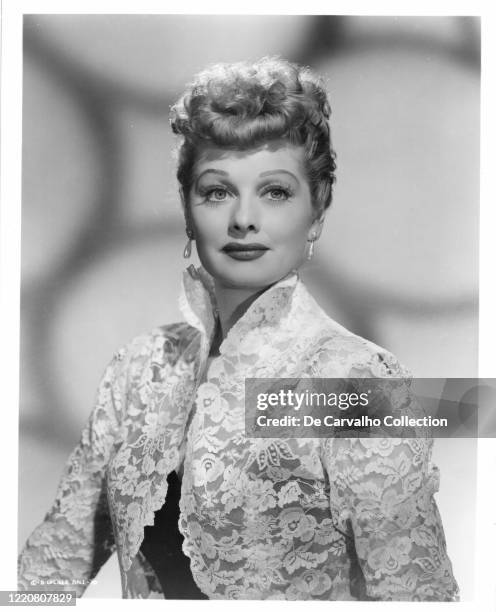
(296, 519)
(76, 537)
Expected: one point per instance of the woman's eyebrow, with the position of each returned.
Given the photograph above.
(279, 171)
(213, 170)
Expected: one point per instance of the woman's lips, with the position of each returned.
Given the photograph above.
(246, 255)
(244, 252)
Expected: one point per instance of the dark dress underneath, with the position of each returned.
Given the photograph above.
(162, 547)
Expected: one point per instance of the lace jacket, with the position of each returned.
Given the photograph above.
(330, 519)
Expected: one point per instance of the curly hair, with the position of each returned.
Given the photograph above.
(242, 105)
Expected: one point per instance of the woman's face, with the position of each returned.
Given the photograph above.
(251, 213)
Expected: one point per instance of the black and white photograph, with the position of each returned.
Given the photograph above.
(211, 198)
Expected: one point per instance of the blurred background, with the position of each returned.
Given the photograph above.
(103, 233)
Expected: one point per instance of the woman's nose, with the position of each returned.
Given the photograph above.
(245, 216)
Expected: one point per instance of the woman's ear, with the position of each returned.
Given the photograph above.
(316, 227)
(183, 199)
(187, 215)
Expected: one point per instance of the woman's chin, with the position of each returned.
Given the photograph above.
(243, 277)
(253, 282)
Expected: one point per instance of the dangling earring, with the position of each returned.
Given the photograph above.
(187, 248)
(311, 248)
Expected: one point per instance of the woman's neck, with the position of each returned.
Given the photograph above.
(232, 304)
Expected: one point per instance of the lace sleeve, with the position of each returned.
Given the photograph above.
(66, 551)
(382, 492)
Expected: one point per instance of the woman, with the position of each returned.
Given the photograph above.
(261, 518)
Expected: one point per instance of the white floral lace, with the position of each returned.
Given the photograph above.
(327, 519)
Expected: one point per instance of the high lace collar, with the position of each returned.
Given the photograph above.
(198, 305)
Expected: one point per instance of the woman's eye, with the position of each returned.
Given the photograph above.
(216, 195)
(277, 193)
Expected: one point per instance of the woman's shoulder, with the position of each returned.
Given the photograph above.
(160, 344)
(354, 353)
(171, 333)
(333, 348)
